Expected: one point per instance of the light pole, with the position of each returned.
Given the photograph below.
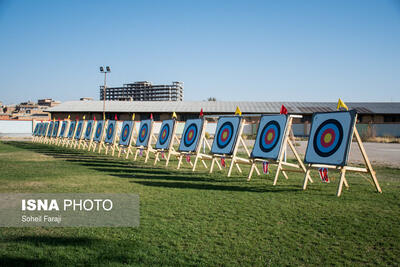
(104, 88)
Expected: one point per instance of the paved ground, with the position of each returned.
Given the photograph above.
(378, 153)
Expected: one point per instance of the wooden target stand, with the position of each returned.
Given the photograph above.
(86, 143)
(99, 145)
(55, 138)
(197, 153)
(343, 169)
(122, 149)
(78, 142)
(60, 139)
(69, 140)
(149, 148)
(170, 151)
(282, 164)
(112, 146)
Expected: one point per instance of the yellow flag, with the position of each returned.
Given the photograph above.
(133, 116)
(54, 119)
(69, 116)
(174, 116)
(238, 112)
(341, 104)
(84, 117)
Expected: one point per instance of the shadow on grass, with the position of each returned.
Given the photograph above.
(53, 241)
(145, 175)
(21, 261)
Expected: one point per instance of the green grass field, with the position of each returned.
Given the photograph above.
(196, 219)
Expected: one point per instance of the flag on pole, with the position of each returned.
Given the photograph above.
(77, 118)
(341, 104)
(94, 117)
(283, 110)
(151, 116)
(265, 167)
(115, 117)
(223, 162)
(238, 112)
(69, 116)
(174, 116)
(84, 117)
(133, 116)
(323, 174)
(201, 113)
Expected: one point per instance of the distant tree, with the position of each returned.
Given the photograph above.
(211, 99)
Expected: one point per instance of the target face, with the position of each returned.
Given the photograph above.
(36, 129)
(40, 129)
(46, 126)
(165, 135)
(330, 138)
(78, 133)
(144, 133)
(71, 130)
(126, 132)
(55, 129)
(270, 133)
(89, 130)
(226, 135)
(99, 131)
(110, 133)
(50, 131)
(63, 127)
(191, 134)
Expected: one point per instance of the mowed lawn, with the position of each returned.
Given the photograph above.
(197, 219)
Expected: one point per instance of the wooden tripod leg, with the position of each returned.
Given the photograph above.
(231, 167)
(156, 158)
(147, 155)
(168, 157)
(299, 159)
(277, 172)
(195, 163)
(212, 165)
(342, 178)
(285, 175)
(179, 162)
(251, 171)
(257, 171)
(136, 153)
(306, 176)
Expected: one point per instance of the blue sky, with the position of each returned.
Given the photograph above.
(231, 50)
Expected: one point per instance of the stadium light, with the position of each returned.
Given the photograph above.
(108, 70)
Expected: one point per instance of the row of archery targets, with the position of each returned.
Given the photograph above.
(328, 147)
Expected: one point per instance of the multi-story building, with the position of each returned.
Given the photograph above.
(144, 91)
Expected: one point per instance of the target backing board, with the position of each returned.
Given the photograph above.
(144, 133)
(269, 137)
(89, 130)
(55, 128)
(110, 133)
(330, 138)
(63, 128)
(71, 130)
(50, 131)
(191, 135)
(226, 135)
(79, 129)
(36, 129)
(99, 131)
(165, 135)
(45, 128)
(39, 133)
(126, 133)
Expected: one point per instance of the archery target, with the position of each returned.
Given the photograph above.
(110, 133)
(144, 133)
(40, 129)
(126, 131)
(36, 129)
(79, 129)
(63, 127)
(55, 129)
(330, 138)
(50, 131)
(89, 130)
(226, 135)
(71, 130)
(191, 134)
(99, 131)
(270, 133)
(46, 126)
(165, 135)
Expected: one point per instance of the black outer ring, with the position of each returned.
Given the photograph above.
(126, 137)
(278, 134)
(219, 133)
(99, 126)
(184, 137)
(340, 128)
(160, 138)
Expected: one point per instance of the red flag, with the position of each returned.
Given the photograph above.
(265, 167)
(201, 113)
(115, 117)
(77, 118)
(94, 117)
(323, 174)
(162, 155)
(223, 162)
(151, 116)
(188, 158)
(283, 110)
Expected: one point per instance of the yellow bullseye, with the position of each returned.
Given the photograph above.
(190, 135)
(328, 138)
(224, 135)
(269, 136)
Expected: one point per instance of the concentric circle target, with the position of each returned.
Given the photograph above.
(164, 134)
(328, 138)
(190, 135)
(78, 131)
(225, 134)
(143, 132)
(269, 136)
(88, 128)
(110, 131)
(98, 130)
(62, 129)
(125, 133)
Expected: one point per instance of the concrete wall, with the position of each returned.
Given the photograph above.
(15, 128)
